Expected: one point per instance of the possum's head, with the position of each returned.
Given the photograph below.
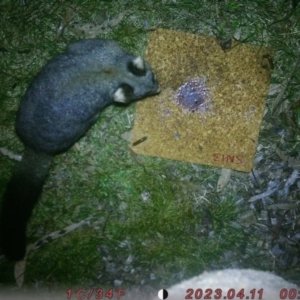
(130, 77)
(138, 81)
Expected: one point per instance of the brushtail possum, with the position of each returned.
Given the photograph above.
(62, 102)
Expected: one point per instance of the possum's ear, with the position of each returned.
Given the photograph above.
(137, 66)
(124, 93)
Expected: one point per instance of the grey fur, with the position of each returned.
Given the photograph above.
(63, 101)
(65, 98)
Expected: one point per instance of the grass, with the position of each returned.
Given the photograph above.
(154, 222)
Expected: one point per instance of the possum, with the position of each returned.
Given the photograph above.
(62, 102)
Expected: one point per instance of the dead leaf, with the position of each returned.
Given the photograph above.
(19, 272)
(223, 179)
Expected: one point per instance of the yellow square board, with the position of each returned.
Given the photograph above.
(211, 103)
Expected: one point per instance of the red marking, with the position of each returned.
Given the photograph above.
(190, 293)
(240, 159)
(216, 157)
(82, 294)
(121, 292)
(288, 294)
(241, 294)
(233, 294)
(69, 293)
(99, 294)
(90, 294)
(208, 293)
(109, 294)
(228, 158)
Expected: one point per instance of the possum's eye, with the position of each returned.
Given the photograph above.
(124, 93)
(137, 66)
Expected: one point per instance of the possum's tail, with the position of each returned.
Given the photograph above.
(22, 193)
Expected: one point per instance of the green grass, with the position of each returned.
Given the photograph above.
(184, 227)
